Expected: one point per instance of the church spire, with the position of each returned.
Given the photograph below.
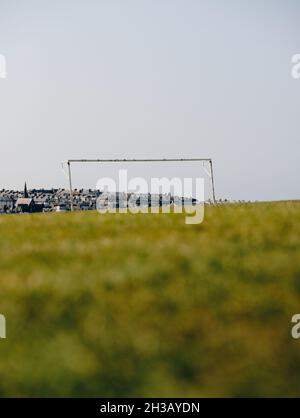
(25, 191)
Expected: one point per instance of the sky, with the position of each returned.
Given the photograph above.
(151, 79)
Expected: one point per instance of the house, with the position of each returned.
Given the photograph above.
(25, 205)
(6, 203)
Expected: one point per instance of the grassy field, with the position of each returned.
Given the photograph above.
(144, 305)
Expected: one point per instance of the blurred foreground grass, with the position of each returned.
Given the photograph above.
(144, 305)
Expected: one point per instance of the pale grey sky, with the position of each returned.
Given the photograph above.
(152, 78)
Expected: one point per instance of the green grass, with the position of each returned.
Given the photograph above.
(144, 305)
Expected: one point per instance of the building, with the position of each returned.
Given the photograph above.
(6, 203)
(25, 205)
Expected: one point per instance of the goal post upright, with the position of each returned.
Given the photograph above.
(140, 160)
(71, 188)
(212, 181)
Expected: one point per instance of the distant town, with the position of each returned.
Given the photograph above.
(58, 200)
(45, 200)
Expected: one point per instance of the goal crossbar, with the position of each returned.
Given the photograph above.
(139, 160)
